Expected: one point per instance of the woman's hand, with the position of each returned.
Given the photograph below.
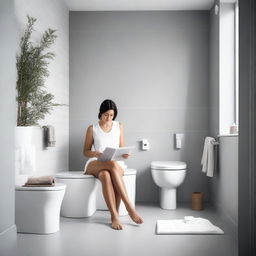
(125, 156)
(97, 154)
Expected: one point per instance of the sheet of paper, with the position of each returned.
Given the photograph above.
(115, 153)
(121, 151)
(107, 154)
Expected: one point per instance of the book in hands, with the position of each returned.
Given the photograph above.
(115, 153)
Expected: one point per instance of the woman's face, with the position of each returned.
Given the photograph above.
(108, 115)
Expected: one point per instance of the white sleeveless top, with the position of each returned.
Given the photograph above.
(102, 139)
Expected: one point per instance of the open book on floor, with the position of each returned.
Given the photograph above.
(115, 153)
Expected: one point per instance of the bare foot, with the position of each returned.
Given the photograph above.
(116, 224)
(135, 216)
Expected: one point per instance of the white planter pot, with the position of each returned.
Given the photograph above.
(24, 150)
(23, 135)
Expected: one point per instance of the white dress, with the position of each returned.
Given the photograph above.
(102, 139)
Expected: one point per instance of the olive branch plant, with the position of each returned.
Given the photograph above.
(33, 101)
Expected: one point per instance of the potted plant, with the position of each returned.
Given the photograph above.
(33, 101)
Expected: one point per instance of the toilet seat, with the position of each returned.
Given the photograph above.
(168, 165)
(73, 175)
(81, 175)
(57, 186)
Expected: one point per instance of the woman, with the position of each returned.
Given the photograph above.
(108, 133)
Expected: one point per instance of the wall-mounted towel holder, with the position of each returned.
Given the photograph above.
(49, 136)
(215, 143)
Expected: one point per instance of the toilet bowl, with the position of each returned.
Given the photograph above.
(80, 197)
(84, 193)
(168, 175)
(37, 209)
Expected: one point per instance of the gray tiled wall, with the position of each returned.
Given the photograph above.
(154, 65)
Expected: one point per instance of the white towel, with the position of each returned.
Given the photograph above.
(25, 159)
(208, 157)
(188, 225)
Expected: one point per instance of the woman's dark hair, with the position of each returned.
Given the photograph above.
(107, 105)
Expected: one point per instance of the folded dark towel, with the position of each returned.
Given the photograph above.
(40, 181)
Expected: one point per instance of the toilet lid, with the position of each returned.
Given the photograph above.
(171, 165)
(57, 186)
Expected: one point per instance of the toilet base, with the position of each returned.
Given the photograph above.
(168, 198)
(38, 211)
(80, 198)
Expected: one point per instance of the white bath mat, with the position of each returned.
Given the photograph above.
(188, 225)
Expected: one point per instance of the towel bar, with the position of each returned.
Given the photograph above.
(215, 143)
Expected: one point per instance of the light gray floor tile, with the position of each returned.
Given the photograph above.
(93, 236)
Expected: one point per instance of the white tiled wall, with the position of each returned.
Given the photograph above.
(53, 14)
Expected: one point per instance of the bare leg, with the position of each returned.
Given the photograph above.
(116, 172)
(110, 198)
(118, 199)
(116, 175)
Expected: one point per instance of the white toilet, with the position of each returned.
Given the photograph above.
(80, 197)
(168, 175)
(84, 193)
(37, 209)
